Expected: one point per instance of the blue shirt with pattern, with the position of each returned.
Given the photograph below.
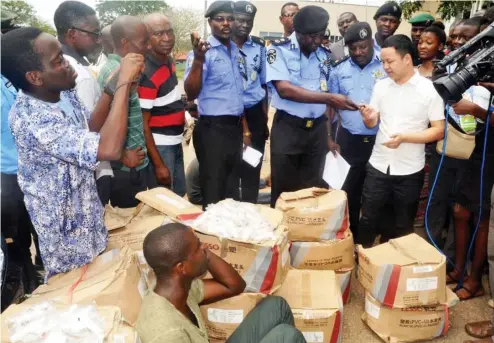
(57, 160)
(357, 84)
(8, 154)
(222, 85)
(255, 72)
(287, 63)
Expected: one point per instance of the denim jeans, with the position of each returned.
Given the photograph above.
(173, 158)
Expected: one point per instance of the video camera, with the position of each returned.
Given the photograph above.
(475, 62)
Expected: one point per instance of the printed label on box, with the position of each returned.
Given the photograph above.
(217, 315)
(314, 337)
(371, 309)
(422, 269)
(421, 284)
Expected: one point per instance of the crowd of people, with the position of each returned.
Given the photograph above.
(77, 135)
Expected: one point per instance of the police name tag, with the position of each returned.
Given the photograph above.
(324, 86)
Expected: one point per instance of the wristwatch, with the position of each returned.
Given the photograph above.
(247, 134)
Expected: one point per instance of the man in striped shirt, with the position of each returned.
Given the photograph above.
(132, 172)
(162, 106)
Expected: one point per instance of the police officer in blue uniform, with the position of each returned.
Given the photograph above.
(212, 76)
(253, 71)
(298, 68)
(355, 77)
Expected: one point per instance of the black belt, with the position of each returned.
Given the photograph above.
(357, 138)
(229, 120)
(306, 123)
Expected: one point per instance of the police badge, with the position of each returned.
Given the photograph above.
(271, 56)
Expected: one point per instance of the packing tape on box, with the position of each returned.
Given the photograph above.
(261, 274)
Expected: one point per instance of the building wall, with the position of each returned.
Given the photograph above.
(268, 12)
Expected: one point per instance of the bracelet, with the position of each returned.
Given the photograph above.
(247, 134)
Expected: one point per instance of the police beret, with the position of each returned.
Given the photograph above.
(357, 32)
(219, 6)
(390, 8)
(245, 7)
(311, 19)
(422, 19)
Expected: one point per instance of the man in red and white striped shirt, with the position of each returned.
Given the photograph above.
(162, 106)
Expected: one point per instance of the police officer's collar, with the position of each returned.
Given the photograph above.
(215, 42)
(294, 45)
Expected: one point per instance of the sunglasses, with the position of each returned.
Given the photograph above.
(223, 19)
(96, 34)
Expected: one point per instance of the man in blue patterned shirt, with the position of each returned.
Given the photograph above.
(60, 143)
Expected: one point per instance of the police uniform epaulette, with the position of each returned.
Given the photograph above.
(337, 62)
(280, 41)
(258, 40)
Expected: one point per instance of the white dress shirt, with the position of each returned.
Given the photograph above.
(407, 108)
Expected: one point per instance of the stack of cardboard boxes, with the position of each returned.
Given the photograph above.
(406, 295)
(317, 221)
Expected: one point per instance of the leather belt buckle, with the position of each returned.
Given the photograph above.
(309, 124)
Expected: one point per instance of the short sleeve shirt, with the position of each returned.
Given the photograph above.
(57, 159)
(407, 108)
(135, 130)
(159, 321)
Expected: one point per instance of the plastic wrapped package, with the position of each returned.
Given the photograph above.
(45, 322)
(235, 220)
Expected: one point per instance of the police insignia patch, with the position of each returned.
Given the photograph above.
(249, 9)
(271, 56)
(363, 33)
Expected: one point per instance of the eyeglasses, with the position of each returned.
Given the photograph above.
(288, 15)
(96, 34)
(223, 19)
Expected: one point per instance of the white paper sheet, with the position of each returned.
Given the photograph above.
(335, 170)
(252, 156)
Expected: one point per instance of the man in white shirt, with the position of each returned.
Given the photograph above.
(404, 105)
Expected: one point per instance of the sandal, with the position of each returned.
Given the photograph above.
(471, 294)
(482, 329)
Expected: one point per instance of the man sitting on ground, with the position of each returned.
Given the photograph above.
(170, 312)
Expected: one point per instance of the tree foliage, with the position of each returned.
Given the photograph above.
(409, 7)
(109, 10)
(448, 9)
(26, 16)
(184, 21)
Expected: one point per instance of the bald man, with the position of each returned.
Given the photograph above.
(338, 49)
(132, 172)
(107, 40)
(162, 106)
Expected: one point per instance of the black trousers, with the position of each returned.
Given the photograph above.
(298, 150)
(356, 150)
(443, 198)
(16, 224)
(404, 190)
(250, 176)
(126, 184)
(218, 145)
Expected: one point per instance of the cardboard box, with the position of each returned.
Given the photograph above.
(115, 331)
(112, 279)
(223, 317)
(405, 272)
(345, 281)
(116, 217)
(324, 255)
(263, 266)
(167, 202)
(408, 324)
(314, 214)
(144, 220)
(315, 299)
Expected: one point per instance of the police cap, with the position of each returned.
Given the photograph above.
(219, 6)
(245, 7)
(390, 8)
(424, 19)
(357, 32)
(311, 19)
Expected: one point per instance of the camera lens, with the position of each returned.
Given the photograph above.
(451, 87)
